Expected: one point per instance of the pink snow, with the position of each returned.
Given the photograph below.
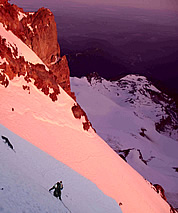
(21, 15)
(23, 49)
(52, 127)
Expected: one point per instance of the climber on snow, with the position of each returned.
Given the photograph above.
(57, 189)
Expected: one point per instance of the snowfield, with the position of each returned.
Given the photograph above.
(52, 128)
(118, 110)
(27, 173)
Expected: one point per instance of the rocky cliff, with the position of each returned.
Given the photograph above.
(38, 31)
(29, 48)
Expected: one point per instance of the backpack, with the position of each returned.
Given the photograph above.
(57, 190)
(61, 186)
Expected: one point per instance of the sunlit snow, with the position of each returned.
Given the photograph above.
(27, 174)
(51, 126)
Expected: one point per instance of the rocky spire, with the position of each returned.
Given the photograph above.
(38, 31)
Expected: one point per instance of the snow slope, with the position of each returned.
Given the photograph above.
(28, 173)
(14, 43)
(118, 111)
(52, 127)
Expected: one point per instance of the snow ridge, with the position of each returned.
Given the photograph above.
(124, 114)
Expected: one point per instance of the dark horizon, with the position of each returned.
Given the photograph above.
(170, 5)
(115, 40)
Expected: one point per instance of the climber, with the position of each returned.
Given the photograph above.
(57, 189)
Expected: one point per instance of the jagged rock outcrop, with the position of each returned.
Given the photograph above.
(40, 34)
(9, 16)
(78, 113)
(94, 75)
(17, 66)
(6, 141)
(38, 31)
(124, 154)
(159, 189)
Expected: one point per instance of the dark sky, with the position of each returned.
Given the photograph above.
(146, 4)
(139, 40)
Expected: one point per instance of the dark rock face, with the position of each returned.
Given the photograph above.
(78, 112)
(6, 141)
(95, 76)
(38, 31)
(3, 80)
(19, 67)
(176, 169)
(123, 153)
(9, 16)
(160, 190)
(40, 34)
(63, 77)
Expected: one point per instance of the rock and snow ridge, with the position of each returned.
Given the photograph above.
(52, 127)
(124, 114)
(19, 48)
(38, 31)
(137, 93)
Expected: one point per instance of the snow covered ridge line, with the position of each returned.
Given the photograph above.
(142, 97)
(129, 126)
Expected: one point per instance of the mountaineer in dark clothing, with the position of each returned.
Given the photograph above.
(57, 189)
